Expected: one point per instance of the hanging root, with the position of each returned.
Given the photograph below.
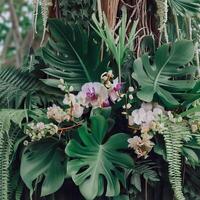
(162, 12)
(35, 15)
(45, 4)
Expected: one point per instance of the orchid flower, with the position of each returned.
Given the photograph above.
(93, 94)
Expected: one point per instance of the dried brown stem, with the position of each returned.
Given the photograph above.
(62, 130)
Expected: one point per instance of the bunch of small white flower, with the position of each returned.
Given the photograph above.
(113, 86)
(173, 118)
(64, 87)
(57, 113)
(144, 116)
(129, 101)
(141, 145)
(195, 125)
(40, 130)
(107, 78)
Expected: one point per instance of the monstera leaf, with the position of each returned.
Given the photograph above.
(185, 6)
(94, 160)
(73, 54)
(165, 75)
(43, 159)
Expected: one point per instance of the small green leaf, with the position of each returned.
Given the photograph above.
(136, 181)
(190, 155)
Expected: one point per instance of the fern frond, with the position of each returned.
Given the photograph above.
(6, 154)
(147, 169)
(10, 121)
(19, 88)
(15, 86)
(19, 191)
(4, 163)
(174, 136)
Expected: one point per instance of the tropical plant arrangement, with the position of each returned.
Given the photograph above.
(108, 108)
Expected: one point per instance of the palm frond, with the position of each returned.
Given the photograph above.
(72, 55)
(182, 7)
(18, 88)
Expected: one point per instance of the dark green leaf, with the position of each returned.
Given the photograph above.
(164, 77)
(93, 161)
(43, 158)
(72, 54)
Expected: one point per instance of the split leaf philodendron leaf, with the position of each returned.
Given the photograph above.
(95, 161)
(43, 158)
(165, 75)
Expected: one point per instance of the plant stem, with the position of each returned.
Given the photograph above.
(146, 190)
(166, 34)
(197, 58)
(177, 25)
(70, 127)
(189, 27)
(184, 170)
(100, 13)
(119, 71)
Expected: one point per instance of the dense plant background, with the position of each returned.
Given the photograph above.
(49, 50)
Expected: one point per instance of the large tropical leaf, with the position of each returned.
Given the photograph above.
(182, 7)
(46, 159)
(73, 54)
(94, 161)
(165, 76)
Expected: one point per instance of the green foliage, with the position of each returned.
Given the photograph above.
(174, 137)
(7, 116)
(117, 45)
(78, 11)
(182, 7)
(165, 76)
(7, 142)
(146, 170)
(95, 160)
(43, 161)
(21, 89)
(191, 156)
(192, 181)
(121, 197)
(19, 191)
(72, 54)
(8, 138)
